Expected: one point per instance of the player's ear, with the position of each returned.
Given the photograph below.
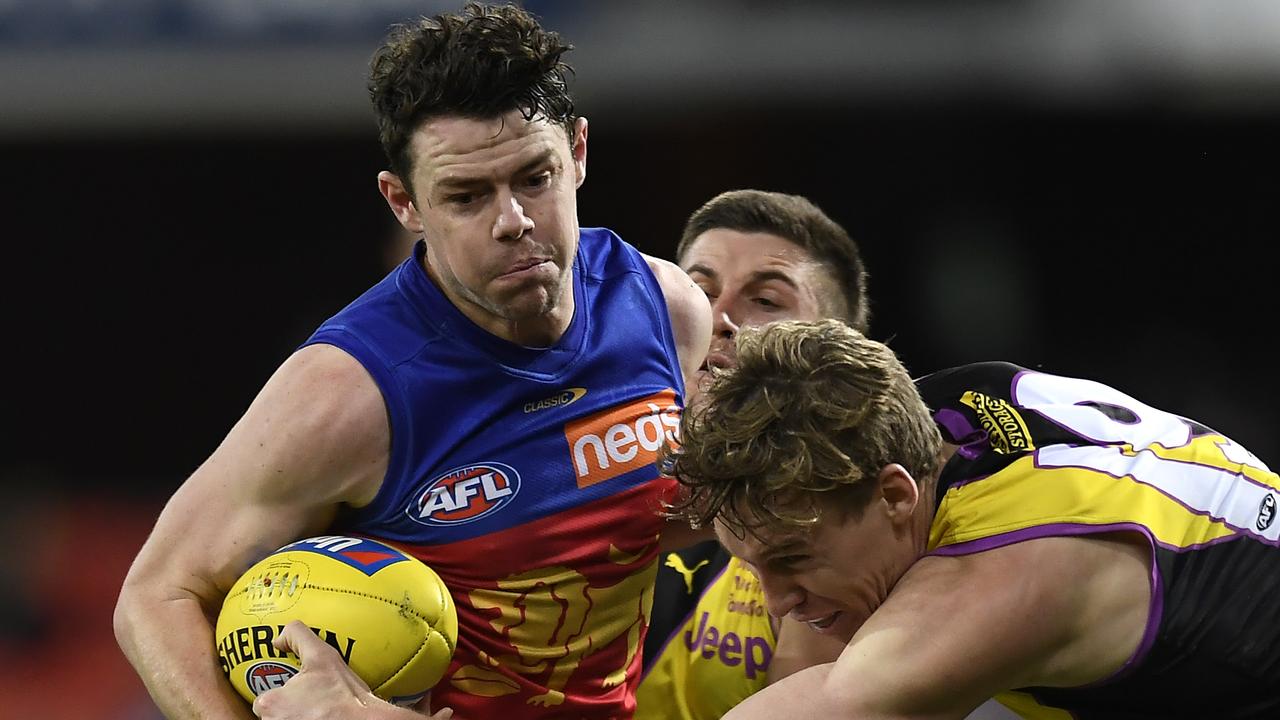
(899, 492)
(400, 200)
(578, 148)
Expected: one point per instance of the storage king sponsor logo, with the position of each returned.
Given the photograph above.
(1004, 426)
(622, 438)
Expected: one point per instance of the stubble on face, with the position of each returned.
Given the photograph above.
(497, 199)
(754, 278)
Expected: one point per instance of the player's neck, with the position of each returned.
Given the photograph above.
(533, 330)
(541, 331)
(922, 519)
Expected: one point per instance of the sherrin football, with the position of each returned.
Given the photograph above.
(387, 614)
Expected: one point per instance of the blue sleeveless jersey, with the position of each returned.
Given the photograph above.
(527, 478)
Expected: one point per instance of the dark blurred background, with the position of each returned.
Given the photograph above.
(1087, 187)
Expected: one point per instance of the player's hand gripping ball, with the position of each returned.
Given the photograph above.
(388, 615)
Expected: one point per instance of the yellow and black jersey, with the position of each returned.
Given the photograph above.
(1044, 455)
(710, 637)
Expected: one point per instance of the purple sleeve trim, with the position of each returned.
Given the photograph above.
(955, 423)
(1155, 610)
(1013, 384)
(972, 440)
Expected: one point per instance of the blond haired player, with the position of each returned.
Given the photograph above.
(987, 530)
(760, 257)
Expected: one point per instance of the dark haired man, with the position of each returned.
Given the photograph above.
(760, 257)
(494, 406)
(828, 271)
(987, 530)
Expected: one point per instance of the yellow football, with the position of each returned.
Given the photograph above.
(387, 614)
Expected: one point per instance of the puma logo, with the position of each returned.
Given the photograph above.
(675, 562)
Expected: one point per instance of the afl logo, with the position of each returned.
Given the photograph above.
(1266, 512)
(264, 676)
(465, 494)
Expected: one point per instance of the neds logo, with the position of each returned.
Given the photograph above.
(622, 439)
(465, 494)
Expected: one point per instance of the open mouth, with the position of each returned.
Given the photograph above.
(824, 622)
(716, 359)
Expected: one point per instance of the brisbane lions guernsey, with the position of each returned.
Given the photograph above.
(1042, 455)
(527, 478)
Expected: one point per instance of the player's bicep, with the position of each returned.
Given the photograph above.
(690, 314)
(315, 437)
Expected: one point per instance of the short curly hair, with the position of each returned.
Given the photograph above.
(482, 62)
(799, 220)
(813, 410)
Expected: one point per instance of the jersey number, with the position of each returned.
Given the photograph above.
(1113, 419)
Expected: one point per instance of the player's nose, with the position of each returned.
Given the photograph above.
(723, 323)
(781, 595)
(512, 221)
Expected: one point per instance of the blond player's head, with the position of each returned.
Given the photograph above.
(808, 419)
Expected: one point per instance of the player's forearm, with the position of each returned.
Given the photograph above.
(170, 644)
(805, 694)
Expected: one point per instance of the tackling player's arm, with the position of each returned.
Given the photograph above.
(690, 314)
(955, 631)
(315, 437)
